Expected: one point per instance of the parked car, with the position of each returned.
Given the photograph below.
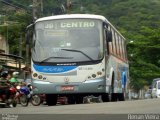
(148, 93)
(134, 95)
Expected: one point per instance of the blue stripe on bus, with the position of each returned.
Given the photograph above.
(53, 69)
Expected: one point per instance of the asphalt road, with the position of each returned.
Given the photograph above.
(118, 110)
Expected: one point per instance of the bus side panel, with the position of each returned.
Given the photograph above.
(119, 70)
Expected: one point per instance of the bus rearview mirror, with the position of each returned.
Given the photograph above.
(29, 31)
(109, 36)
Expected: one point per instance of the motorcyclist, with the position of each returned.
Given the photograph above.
(4, 85)
(14, 80)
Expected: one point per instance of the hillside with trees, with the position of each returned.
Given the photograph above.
(137, 20)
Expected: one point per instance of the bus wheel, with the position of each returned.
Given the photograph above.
(114, 97)
(71, 100)
(105, 97)
(121, 97)
(51, 99)
(79, 99)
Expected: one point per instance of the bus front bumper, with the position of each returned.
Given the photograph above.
(92, 86)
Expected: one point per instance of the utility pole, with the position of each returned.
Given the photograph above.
(37, 6)
(20, 51)
(34, 9)
(42, 6)
(68, 5)
(34, 17)
(27, 53)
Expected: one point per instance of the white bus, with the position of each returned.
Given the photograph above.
(155, 88)
(78, 55)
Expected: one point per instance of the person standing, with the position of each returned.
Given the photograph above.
(4, 85)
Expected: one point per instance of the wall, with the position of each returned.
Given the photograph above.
(3, 45)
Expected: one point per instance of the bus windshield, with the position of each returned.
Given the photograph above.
(68, 40)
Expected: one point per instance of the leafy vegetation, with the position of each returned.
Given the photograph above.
(137, 20)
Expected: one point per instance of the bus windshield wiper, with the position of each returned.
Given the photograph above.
(79, 52)
(56, 58)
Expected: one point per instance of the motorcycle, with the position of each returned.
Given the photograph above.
(25, 95)
(11, 101)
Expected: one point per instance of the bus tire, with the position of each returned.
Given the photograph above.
(51, 99)
(79, 99)
(71, 99)
(105, 97)
(114, 97)
(121, 97)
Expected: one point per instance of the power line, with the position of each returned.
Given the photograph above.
(15, 6)
(7, 3)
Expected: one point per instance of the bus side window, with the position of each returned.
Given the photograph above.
(110, 43)
(158, 85)
(117, 44)
(120, 47)
(154, 85)
(114, 43)
(123, 49)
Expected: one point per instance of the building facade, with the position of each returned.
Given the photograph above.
(4, 47)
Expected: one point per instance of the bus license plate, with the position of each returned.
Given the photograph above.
(67, 88)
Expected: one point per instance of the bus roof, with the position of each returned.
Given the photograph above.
(156, 79)
(73, 16)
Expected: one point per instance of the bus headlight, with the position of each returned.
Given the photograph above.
(94, 75)
(35, 74)
(40, 77)
(99, 73)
